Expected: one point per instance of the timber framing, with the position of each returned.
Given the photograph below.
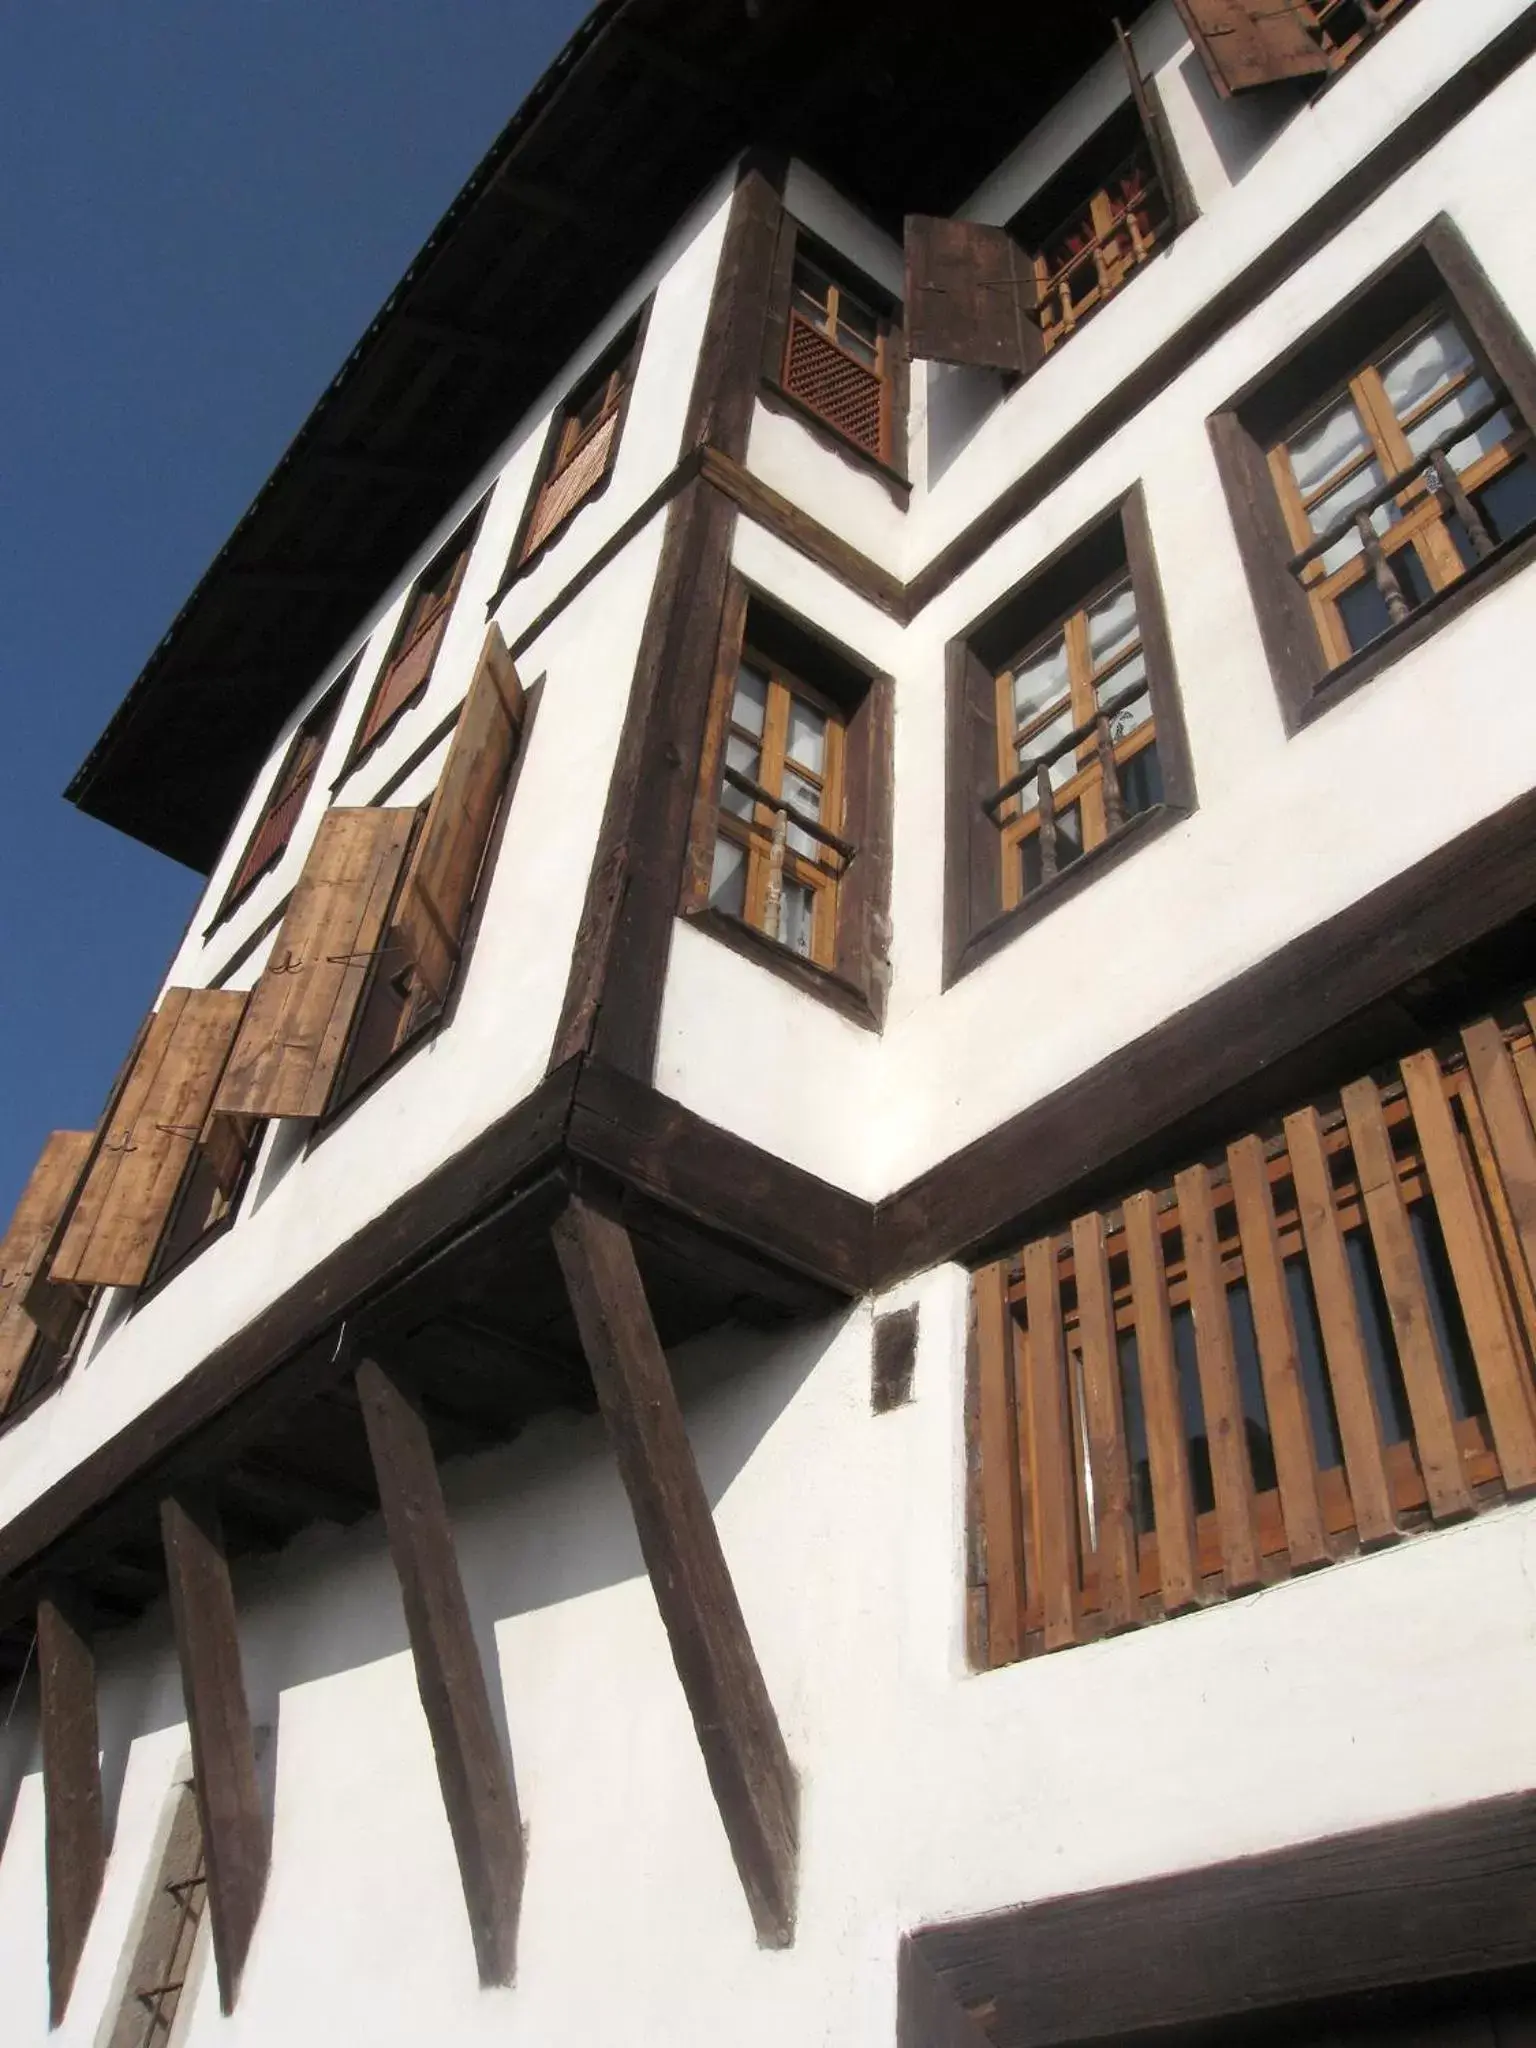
(76, 1851)
(1448, 1899)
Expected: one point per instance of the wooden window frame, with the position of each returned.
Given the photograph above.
(1435, 272)
(615, 372)
(978, 919)
(289, 792)
(795, 241)
(414, 624)
(849, 969)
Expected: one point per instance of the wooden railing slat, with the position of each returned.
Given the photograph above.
(1050, 1447)
(1343, 1340)
(1002, 1510)
(1402, 1279)
(1172, 1501)
(1500, 1362)
(1107, 1452)
(1225, 1427)
(1279, 1355)
(1509, 1127)
(1500, 1229)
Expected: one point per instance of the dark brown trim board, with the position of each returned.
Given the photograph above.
(75, 1834)
(725, 381)
(236, 1841)
(478, 1792)
(1099, 1130)
(1446, 1897)
(749, 1768)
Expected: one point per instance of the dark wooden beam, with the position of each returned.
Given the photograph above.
(76, 1852)
(235, 1836)
(291, 581)
(383, 468)
(537, 196)
(478, 1791)
(744, 1753)
(475, 341)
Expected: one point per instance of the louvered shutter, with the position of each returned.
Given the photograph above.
(407, 673)
(300, 1013)
(143, 1152)
(1245, 43)
(566, 491)
(970, 295)
(440, 884)
(29, 1303)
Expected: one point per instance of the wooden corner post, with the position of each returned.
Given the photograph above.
(235, 1837)
(744, 1753)
(76, 1840)
(478, 1790)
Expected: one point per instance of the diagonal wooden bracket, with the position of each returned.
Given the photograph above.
(76, 1839)
(749, 1768)
(478, 1790)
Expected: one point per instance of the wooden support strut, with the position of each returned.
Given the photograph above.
(478, 1789)
(76, 1839)
(235, 1836)
(744, 1753)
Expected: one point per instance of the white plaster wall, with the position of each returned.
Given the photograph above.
(1370, 1691)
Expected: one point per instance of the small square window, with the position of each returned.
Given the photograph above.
(836, 351)
(582, 448)
(413, 654)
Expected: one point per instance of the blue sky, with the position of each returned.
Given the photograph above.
(202, 204)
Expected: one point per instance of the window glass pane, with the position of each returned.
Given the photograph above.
(1326, 448)
(1031, 873)
(796, 916)
(1064, 767)
(1040, 681)
(751, 701)
(1328, 511)
(1111, 625)
(728, 878)
(1425, 365)
(1139, 710)
(1069, 835)
(811, 290)
(807, 740)
(1363, 610)
(806, 797)
(1141, 781)
(1508, 504)
(739, 753)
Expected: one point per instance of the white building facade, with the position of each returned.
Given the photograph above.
(812, 1313)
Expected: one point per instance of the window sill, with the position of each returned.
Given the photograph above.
(1001, 930)
(1506, 560)
(777, 399)
(851, 999)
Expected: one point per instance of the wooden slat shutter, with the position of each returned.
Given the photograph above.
(1245, 43)
(142, 1154)
(300, 1013)
(30, 1303)
(970, 295)
(440, 885)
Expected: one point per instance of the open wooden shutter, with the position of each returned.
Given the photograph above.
(1165, 158)
(440, 884)
(300, 1013)
(1245, 43)
(29, 1303)
(970, 295)
(131, 1186)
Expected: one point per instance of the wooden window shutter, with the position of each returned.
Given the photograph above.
(300, 1014)
(970, 295)
(31, 1304)
(147, 1141)
(440, 884)
(1245, 43)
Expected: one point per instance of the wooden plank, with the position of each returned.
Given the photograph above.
(1501, 1366)
(1338, 1314)
(1173, 1507)
(75, 1832)
(744, 1753)
(235, 1836)
(30, 1301)
(126, 1199)
(300, 1013)
(1002, 1507)
(1248, 43)
(1119, 1569)
(479, 1794)
(1402, 1279)
(1226, 1431)
(1279, 1356)
(1050, 1447)
(1504, 1106)
(970, 295)
(440, 883)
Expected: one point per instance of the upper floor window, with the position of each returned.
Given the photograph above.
(1066, 739)
(836, 351)
(790, 852)
(582, 447)
(1246, 43)
(423, 623)
(1383, 473)
(285, 800)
